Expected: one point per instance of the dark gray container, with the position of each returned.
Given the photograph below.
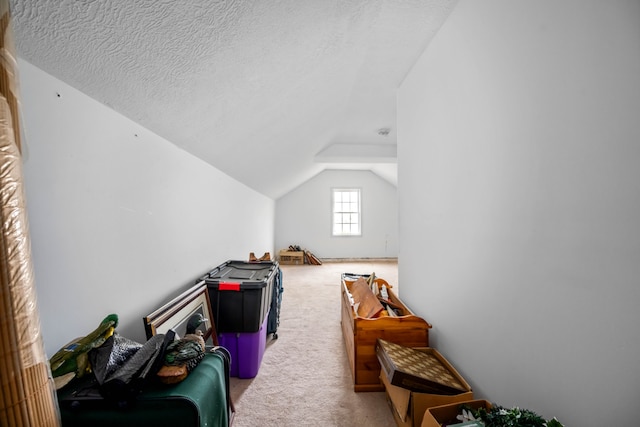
(241, 294)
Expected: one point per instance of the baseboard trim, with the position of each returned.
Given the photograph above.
(359, 259)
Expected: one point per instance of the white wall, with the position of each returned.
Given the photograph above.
(303, 217)
(519, 201)
(121, 220)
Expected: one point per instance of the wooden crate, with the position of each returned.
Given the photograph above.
(291, 257)
(360, 336)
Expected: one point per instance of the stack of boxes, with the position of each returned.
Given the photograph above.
(240, 294)
(416, 379)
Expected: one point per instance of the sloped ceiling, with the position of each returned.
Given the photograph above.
(262, 90)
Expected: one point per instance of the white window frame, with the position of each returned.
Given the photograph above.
(339, 212)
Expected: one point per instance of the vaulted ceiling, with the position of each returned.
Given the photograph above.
(271, 92)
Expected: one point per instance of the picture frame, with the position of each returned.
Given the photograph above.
(175, 314)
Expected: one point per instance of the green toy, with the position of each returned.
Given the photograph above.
(72, 360)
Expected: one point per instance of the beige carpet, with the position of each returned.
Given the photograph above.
(304, 378)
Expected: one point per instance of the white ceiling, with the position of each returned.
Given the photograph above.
(271, 92)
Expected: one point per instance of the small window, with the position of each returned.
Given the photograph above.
(346, 212)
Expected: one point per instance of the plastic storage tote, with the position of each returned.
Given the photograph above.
(246, 350)
(241, 294)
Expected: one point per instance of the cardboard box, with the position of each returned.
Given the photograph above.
(409, 407)
(291, 257)
(436, 416)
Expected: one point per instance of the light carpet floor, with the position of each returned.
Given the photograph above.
(304, 378)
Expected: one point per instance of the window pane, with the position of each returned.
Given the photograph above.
(346, 212)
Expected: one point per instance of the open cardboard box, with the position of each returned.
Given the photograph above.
(436, 416)
(409, 407)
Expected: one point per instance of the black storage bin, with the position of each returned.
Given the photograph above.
(240, 294)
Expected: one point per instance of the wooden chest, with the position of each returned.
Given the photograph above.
(360, 335)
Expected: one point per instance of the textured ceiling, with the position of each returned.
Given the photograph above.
(258, 89)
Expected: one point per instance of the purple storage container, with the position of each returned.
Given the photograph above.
(246, 350)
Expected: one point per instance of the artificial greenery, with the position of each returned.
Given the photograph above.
(498, 416)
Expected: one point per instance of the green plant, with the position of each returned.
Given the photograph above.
(498, 416)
